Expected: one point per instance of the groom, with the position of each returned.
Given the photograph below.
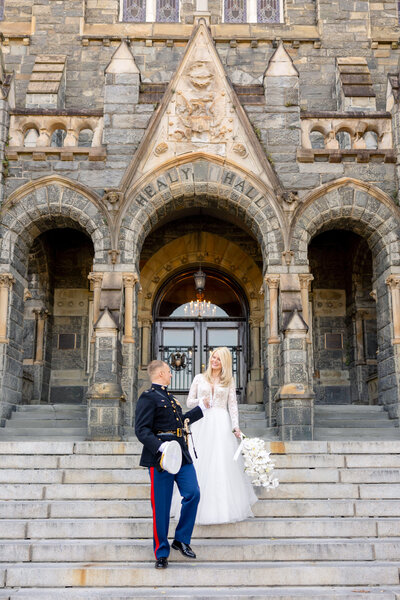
(159, 419)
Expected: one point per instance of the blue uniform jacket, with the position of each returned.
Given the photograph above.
(158, 410)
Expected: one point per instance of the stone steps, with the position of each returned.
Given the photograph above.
(235, 550)
(354, 422)
(75, 524)
(35, 528)
(206, 593)
(49, 422)
(183, 575)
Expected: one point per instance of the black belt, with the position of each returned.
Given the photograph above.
(177, 432)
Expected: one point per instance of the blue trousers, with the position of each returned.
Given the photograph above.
(162, 485)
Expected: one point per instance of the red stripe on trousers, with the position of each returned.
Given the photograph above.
(153, 505)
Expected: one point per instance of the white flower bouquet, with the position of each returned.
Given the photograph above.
(257, 462)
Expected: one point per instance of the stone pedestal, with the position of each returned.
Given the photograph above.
(105, 411)
(105, 396)
(295, 409)
(295, 400)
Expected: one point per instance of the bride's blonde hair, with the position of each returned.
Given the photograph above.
(225, 357)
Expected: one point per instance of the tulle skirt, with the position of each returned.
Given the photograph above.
(226, 494)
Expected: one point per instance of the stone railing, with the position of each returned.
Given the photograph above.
(333, 135)
(51, 132)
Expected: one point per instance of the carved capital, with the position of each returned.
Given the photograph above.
(95, 279)
(393, 281)
(305, 281)
(6, 280)
(130, 279)
(41, 313)
(272, 281)
(374, 295)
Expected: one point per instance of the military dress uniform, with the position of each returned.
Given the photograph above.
(159, 418)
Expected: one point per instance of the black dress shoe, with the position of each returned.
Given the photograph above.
(183, 548)
(161, 563)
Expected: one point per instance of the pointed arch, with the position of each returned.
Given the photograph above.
(201, 181)
(48, 203)
(349, 204)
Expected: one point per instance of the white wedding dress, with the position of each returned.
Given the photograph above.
(226, 494)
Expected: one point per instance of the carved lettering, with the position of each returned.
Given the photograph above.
(161, 185)
(149, 191)
(240, 186)
(142, 200)
(170, 173)
(229, 177)
(251, 193)
(186, 171)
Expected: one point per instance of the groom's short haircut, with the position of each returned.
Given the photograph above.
(154, 366)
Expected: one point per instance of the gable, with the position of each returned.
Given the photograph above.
(200, 113)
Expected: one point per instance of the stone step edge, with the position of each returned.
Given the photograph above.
(70, 447)
(302, 593)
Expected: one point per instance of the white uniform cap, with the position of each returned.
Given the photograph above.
(171, 458)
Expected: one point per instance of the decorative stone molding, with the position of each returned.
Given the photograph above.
(330, 124)
(336, 202)
(40, 128)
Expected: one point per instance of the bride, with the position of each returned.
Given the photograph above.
(226, 494)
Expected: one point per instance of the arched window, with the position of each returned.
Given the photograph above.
(252, 11)
(344, 139)
(161, 11)
(30, 138)
(371, 140)
(57, 138)
(85, 138)
(317, 140)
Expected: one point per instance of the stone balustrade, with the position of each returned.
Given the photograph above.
(63, 133)
(333, 135)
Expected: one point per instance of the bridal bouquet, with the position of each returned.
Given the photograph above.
(257, 462)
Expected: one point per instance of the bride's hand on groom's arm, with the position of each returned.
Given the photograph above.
(204, 403)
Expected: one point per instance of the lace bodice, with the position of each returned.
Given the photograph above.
(223, 397)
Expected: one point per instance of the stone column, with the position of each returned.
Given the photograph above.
(273, 285)
(305, 281)
(130, 280)
(96, 281)
(41, 315)
(6, 283)
(146, 338)
(393, 281)
(254, 388)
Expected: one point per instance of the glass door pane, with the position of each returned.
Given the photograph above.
(223, 335)
(178, 348)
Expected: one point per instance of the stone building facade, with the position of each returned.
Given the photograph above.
(262, 153)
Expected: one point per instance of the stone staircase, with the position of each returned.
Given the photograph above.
(354, 422)
(253, 422)
(75, 523)
(46, 422)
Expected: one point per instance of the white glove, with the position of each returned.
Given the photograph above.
(162, 447)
